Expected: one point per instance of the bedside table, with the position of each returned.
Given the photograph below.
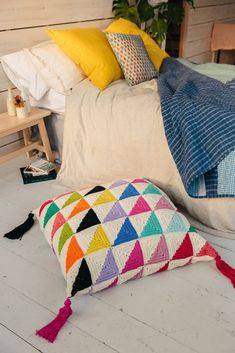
(12, 124)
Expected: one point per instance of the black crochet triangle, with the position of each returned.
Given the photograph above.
(95, 189)
(89, 220)
(83, 279)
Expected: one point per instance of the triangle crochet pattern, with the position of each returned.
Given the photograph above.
(105, 197)
(185, 249)
(89, 220)
(51, 211)
(126, 233)
(65, 234)
(161, 253)
(109, 269)
(129, 191)
(151, 189)
(176, 224)
(99, 241)
(115, 213)
(118, 183)
(83, 279)
(163, 204)
(207, 250)
(95, 189)
(82, 205)
(59, 221)
(135, 259)
(74, 253)
(74, 197)
(140, 206)
(152, 226)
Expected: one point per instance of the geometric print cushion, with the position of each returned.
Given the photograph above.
(133, 57)
(119, 231)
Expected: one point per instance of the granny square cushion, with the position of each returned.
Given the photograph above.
(116, 232)
(133, 57)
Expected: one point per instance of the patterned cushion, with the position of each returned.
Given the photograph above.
(112, 233)
(132, 57)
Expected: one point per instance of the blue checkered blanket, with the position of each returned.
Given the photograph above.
(199, 121)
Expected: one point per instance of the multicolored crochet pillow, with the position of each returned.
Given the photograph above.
(112, 233)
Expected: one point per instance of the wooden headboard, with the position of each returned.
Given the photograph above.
(24, 23)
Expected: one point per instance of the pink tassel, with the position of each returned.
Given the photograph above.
(225, 269)
(50, 331)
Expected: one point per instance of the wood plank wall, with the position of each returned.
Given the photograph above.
(197, 26)
(24, 23)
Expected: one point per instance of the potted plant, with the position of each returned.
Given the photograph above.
(151, 16)
(21, 108)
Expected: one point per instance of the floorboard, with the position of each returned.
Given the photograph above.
(186, 310)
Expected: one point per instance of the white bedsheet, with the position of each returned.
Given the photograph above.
(119, 133)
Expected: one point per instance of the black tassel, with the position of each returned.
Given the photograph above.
(19, 231)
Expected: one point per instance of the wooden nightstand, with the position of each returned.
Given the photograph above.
(10, 125)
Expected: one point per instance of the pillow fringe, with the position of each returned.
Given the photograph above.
(225, 269)
(18, 232)
(51, 330)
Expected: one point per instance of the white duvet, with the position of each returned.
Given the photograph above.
(119, 133)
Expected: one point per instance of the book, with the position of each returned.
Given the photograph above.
(39, 167)
(29, 178)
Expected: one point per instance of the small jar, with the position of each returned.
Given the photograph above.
(22, 112)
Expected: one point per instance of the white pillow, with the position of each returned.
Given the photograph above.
(23, 73)
(42, 68)
(58, 70)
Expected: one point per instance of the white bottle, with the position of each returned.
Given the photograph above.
(25, 97)
(11, 109)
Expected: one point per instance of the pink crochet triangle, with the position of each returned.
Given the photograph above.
(140, 207)
(161, 252)
(59, 221)
(135, 259)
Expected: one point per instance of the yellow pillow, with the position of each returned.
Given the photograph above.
(123, 26)
(90, 49)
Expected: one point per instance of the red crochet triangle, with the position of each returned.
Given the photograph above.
(185, 249)
(164, 268)
(207, 250)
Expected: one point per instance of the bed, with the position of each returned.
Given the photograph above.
(94, 123)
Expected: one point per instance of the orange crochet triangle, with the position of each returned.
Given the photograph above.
(74, 253)
(184, 250)
(82, 205)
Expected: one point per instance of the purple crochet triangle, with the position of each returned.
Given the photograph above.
(109, 269)
(115, 213)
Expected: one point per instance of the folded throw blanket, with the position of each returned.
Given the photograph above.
(199, 121)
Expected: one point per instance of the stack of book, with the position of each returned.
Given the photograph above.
(39, 170)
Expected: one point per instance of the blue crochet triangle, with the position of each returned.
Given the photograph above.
(128, 192)
(126, 233)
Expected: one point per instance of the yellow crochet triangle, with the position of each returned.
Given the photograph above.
(105, 197)
(99, 241)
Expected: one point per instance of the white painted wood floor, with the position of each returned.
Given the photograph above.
(190, 309)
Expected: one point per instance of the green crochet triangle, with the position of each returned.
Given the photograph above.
(176, 224)
(151, 189)
(66, 233)
(74, 197)
(152, 226)
(51, 211)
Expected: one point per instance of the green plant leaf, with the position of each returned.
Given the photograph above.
(175, 13)
(159, 29)
(146, 11)
(121, 8)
